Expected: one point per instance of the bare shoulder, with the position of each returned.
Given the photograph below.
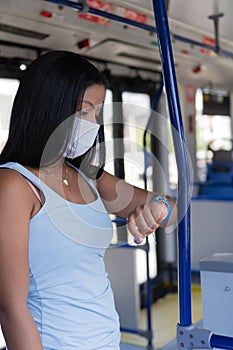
(9, 173)
(15, 211)
(10, 178)
(14, 188)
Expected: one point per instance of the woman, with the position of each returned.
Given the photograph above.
(54, 206)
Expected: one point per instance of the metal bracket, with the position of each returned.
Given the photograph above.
(215, 19)
(85, 6)
(191, 337)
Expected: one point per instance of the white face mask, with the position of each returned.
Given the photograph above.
(83, 136)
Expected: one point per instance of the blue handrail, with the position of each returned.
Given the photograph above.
(181, 159)
(219, 341)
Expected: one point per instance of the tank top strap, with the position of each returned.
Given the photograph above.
(35, 191)
(24, 171)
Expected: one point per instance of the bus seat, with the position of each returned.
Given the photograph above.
(220, 172)
(222, 155)
(219, 180)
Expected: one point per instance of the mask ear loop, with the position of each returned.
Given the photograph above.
(100, 116)
(72, 133)
(97, 144)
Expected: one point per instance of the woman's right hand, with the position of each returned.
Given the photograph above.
(146, 219)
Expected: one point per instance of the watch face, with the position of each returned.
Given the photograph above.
(169, 207)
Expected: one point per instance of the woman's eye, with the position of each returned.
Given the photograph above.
(89, 115)
(84, 113)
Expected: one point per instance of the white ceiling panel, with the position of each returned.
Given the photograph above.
(123, 44)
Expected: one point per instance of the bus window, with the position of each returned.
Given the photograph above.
(108, 131)
(209, 128)
(136, 112)
(8, 89)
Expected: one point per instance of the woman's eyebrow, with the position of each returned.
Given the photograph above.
(90, 103)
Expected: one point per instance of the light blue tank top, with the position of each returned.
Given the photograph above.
(70, 297)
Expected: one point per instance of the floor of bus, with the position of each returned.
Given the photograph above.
(165, 316)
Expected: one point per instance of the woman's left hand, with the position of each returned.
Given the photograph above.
(146, 219)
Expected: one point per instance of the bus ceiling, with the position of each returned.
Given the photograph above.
(200, 33)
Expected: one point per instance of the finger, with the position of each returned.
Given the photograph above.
(149, 218)
(138, 240)
(141, 221)
(159, 211)
(133, 229)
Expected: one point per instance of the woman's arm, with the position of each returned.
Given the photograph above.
(16, 206)
(133, 203)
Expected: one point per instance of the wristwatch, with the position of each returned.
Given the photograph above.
(169, 207)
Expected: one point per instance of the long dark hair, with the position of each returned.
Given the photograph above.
(52, 88)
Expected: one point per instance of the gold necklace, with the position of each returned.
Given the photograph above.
(64, 179)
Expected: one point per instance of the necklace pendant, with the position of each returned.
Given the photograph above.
(65, 181)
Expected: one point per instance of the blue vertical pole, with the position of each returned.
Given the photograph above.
(169, 77)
